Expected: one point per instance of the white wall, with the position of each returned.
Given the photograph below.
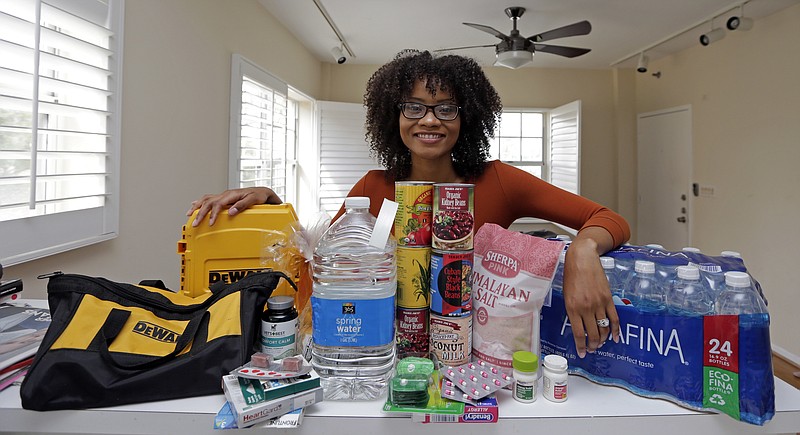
(175, 128)
(745, 102)
(175, 114)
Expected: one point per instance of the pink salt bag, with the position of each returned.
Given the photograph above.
(511, 277)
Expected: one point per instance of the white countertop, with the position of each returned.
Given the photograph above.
(590, 407)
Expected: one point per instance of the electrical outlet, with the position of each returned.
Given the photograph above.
(707, 191)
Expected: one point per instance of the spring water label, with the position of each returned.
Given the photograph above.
(353, 323)
(721, 363)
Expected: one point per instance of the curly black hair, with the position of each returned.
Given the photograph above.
(462, 77)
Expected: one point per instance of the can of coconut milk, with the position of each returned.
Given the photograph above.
(451, 339)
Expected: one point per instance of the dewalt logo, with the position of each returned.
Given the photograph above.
(230, 275)
(155, 332)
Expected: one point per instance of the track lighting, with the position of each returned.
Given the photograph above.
(739, 23)
(338, 54)
(713, 36)
(642, 65)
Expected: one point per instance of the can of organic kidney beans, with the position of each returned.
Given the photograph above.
(412, 336)
(412, 223)
(451, 284)
(451, 339)
(413, 277)
(453, 216)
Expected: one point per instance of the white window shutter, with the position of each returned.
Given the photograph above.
(565, 147)
(343, 152)
(60, 80)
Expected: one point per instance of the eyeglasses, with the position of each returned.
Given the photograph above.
(442, 112)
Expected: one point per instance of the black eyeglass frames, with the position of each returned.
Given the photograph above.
(442, 112)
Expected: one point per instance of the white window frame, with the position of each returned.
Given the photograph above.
(37, 235)
(284, 183)
(561, 142)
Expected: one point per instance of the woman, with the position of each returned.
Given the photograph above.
(429, 119)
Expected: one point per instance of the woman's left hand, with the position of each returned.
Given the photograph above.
(587, 297)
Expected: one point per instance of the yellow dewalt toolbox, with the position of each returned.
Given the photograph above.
(256, 239)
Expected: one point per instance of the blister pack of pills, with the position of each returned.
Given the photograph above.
(473, 381)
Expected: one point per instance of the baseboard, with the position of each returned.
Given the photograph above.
(785, 354)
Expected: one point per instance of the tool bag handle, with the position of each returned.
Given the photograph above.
(113, 325)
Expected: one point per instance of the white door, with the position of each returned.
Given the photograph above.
(664, 177)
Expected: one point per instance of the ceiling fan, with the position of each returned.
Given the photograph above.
(515, 50)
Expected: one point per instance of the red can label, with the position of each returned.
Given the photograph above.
(412, 223)
(451, 288)
(453, 216)
(412, 338)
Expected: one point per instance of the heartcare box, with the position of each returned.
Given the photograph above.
(254, 240)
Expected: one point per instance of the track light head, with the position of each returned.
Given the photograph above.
(739, 23)
(338, 54)
(712, 36)
(641, 66)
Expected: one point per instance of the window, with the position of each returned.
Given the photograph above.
(60, 63)
(545, 143)
(263, 130)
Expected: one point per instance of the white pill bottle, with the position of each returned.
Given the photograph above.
(555, 378)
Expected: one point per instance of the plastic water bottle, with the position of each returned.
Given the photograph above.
(713, 277)
(644, 290)
(610, 269)
(688, 296)
(739, 297)
(353, 306)
(558, 278)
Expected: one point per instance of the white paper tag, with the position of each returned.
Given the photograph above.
(383, 225)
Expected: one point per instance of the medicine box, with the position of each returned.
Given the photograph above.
(484, 411)
(254, 240)
(250, 410)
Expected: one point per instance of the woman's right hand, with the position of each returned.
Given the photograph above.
(235, 200)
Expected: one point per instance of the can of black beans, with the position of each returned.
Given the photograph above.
(451, 284)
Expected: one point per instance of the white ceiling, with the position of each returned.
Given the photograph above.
(376, 30)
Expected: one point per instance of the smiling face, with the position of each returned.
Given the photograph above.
(429, 138)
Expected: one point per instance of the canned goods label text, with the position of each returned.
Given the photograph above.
(451, 339)
(413, 277)
(453, 216)
(412, 223)
(451, 288)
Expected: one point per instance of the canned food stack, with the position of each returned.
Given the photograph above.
(412, 228)
(453, 229)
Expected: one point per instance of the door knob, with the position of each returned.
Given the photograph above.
(681, 219)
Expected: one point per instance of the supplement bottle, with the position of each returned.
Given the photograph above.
(525, 366)
(688, 296)
(644, 291)
(279, 327)
(555, 378)
(353, 307)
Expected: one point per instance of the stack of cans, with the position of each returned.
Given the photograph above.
(412, 228)
(453, 228)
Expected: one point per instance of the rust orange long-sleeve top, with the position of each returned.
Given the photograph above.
(504, 193)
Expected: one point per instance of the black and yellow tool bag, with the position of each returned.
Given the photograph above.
(113, 343)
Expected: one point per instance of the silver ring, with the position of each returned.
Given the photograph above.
(603, 323)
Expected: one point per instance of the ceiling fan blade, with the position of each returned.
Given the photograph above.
(561, 51)
(464, 48)
(574, 29)
(488, 30)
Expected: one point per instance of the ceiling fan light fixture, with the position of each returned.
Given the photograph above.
(513, 58)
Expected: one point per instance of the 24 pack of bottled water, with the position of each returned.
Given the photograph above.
(694, 330)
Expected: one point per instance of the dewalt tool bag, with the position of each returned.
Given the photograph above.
(114, 343)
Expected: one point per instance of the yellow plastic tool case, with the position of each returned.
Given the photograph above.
(256, 239)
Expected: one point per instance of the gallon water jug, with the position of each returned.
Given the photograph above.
(353, 307)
